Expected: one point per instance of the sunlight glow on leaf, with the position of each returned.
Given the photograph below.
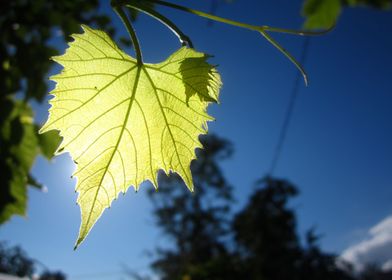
(122, 122)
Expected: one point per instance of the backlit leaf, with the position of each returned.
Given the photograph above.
(122, 121)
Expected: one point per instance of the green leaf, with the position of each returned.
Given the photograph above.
(13, 199)
(122, 121)
(25, 148)
(321, 13)
(48, 143)
(18, 149)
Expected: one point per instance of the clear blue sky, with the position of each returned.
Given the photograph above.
(338, 149)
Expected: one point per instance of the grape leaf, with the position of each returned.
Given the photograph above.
(122, 121)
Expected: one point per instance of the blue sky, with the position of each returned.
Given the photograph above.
(337, 151)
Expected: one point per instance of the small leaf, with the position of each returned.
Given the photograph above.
(48, 143)
(13, 192)
(122, 121)
(18, 149)
(321, 14)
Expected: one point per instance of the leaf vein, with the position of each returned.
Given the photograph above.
(96, 94)
(166, 122)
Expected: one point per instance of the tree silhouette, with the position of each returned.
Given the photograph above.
(196, 223)
(265, 232)
(47, 275)
(374, 272)
(14, 261)
(264, 244)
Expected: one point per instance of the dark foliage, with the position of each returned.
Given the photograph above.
(26, 28)
(373, 272)
(265, 231)
(266, 236)
(259, 242)
(27, 32)
(47, 275)
(14, 261)
(197, 223)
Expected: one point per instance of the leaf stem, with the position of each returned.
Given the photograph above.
(238, 23)
(206, 15)
(298, 32)
(131, 31)
(184, 39)
(287, 54)
(261, 29)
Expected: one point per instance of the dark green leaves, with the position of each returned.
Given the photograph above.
(19, 146)
(27, 32)
(17, 153)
